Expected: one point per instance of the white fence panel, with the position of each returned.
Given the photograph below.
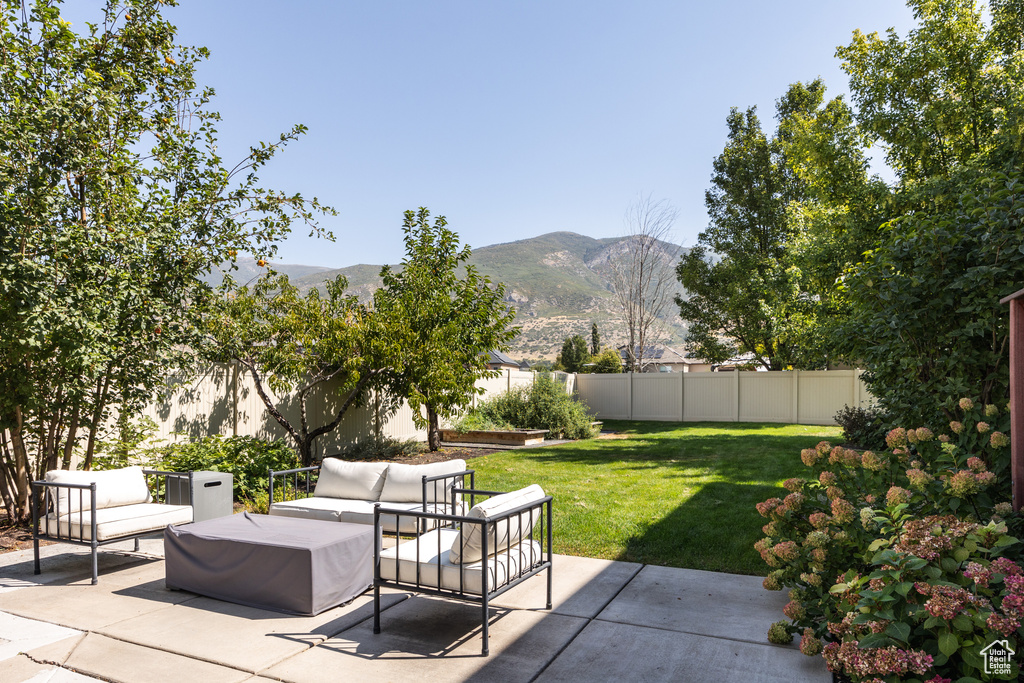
(608, 396)
(710, 396)
(824, 393)
(766, 396)
(802, 397)
(657, 396)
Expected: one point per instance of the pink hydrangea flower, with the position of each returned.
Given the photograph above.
(1005, 566)
(896, 438)
(978, 573)
(819, 520)
(962, 484)
(991, 410)
(919, 479)
(787, 551)
(827, 478)
(983, 427)
(946, 602)
(809, 644)
(817, 539)
(985, 478)
(771, 583)
(1003, 509)
(976, 464)
(811, 579)
(1002, 624)
(793, 501)
(956, 426)
(833, 492)
(999, 440)
(944, 438)
(823, 448)
(767, 506)
(924, 434)
(897, 495)
(870, 499)
(869, 460)
(842, 511)
(794, 610)
(793, 484)
(966, 404)
(809, 457)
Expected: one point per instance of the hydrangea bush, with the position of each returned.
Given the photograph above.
(897, 562)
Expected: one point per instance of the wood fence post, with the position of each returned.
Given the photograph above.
(1016, 396)
(682, 395)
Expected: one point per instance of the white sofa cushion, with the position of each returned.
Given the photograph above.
(404, 483)
(437, 570)
(115, 522)
(114, 488)
(355, 512)
(353, 480)
(468, 547)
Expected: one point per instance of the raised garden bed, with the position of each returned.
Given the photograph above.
(511, 437)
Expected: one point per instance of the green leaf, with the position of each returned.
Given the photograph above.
(963, 623)
(899, 631)
(948, 644)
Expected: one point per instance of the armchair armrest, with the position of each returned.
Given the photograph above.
(460, 476)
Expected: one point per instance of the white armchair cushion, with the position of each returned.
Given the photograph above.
(115, 522)
(114, 488)
(436, 569)
(468, 546)
(404, 483)
(353, 480)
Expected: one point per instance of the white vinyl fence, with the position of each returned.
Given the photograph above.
(798, 396)
(224, 401)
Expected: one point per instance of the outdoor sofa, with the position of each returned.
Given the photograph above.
(499, 543)
(102, 507)
(343, 491)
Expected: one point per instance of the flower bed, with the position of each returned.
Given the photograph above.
(505, 437)
(899, 563)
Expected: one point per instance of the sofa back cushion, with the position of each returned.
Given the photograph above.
(125, 486)
(404, 483)
(468, 545)
(353, 480)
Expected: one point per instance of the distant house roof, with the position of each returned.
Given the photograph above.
(656, 354)
(499, 358)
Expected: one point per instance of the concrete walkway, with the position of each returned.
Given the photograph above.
(614, 621)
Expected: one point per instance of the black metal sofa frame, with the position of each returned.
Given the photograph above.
(50, 502)
(452, 521)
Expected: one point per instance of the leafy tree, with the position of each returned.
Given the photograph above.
(788, 214)
(440, 324)
(608, 361)
(574, 354)
(113, 204)
(925, 320)
(737, 276)
(300, 346)
(595, 340)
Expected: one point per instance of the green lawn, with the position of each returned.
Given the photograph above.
(673, 494)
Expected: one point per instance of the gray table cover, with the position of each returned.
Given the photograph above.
(300, 566)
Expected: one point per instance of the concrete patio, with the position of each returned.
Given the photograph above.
(610, 621)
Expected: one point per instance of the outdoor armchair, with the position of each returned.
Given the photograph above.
(475, 557)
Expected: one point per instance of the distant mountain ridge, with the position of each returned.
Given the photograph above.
(559, 284)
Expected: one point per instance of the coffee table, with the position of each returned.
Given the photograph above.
(299, 566)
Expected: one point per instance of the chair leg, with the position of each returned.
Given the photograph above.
(35, 544)
(549, 587)
(376, 608)
(136, 545)
(487, 614)
(95, 564)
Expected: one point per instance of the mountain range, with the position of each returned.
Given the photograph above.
(558, 283)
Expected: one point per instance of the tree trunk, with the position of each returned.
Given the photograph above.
(433, 430)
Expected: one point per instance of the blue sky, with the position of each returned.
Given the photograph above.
(512, 119)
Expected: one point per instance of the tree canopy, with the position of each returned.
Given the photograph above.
(114, 203)
(440, 323)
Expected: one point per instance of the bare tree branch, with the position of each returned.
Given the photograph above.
(643, 275)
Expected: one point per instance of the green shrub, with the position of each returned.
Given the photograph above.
(247, 458)
(473, 421)
(542, 405)
(854, 520)
(863, 427)
(385, 448)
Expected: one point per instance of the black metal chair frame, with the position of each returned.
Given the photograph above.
(453, 521)
(51, 503)
(307, 482)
